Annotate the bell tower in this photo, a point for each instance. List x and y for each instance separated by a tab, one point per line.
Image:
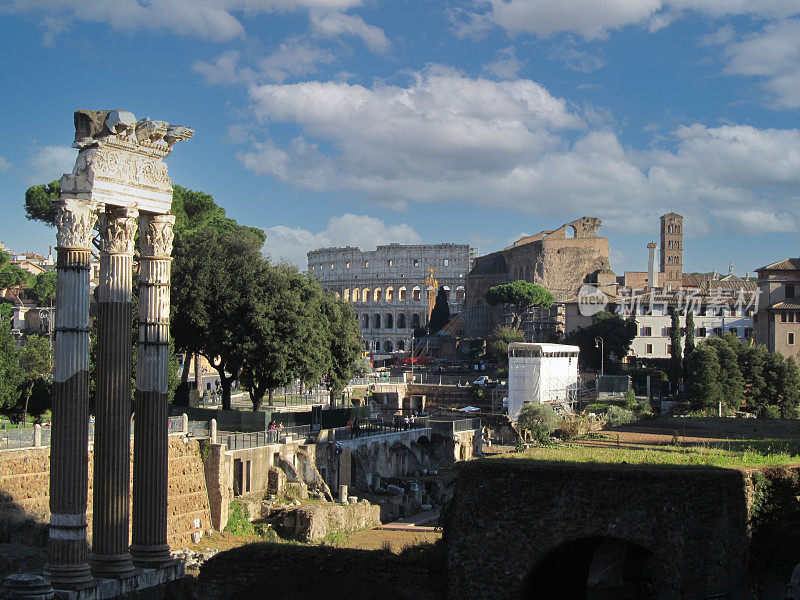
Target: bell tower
672	250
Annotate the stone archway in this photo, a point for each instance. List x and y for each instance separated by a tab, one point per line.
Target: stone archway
592	568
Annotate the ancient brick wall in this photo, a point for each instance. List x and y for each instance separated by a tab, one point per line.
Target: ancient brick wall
509	516
25	493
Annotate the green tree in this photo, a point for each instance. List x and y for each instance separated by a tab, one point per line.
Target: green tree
538	419
39	202
10	372
753	362
44	289
499	340
676	360
216	299
440	315
36	364
520	296
689	345
617	335
789	389
730	374
12	275
703	377
344	344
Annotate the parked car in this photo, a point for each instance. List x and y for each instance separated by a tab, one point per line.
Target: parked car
482	380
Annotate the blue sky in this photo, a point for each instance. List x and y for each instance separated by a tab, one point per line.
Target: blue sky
334	122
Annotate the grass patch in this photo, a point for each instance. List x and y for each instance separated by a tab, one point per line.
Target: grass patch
732	454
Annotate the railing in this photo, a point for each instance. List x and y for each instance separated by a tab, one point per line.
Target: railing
297	432
373	428
450	428
16	438
434	379
199	429
466	424
242	441
175	424
371	380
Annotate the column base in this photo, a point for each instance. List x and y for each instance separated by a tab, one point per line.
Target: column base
69	577
152	557
112	566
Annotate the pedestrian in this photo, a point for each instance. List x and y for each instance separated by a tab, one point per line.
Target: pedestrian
405	422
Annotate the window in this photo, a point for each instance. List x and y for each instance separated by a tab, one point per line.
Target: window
347	266
390	262
366	264
790	290
702	311
791	338
791	317
331	266
647	331
783	317
667	331
748	332
416	262
717	330
669	348
446	262
648	349
733	330
701	332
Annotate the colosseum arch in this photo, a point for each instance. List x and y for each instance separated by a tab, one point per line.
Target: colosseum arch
390	294
416	294
346	294
378	295
389	321
356	294
461	294
365	321
365	295
338	295
527	272
415	322
401	321
387	346
401	345
376	321
402	294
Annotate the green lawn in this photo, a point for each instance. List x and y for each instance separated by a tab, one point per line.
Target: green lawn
734	453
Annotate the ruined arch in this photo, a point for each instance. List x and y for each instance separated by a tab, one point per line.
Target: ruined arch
581	568
461	293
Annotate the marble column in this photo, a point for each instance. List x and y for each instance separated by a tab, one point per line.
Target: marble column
112	453
150	459
68	563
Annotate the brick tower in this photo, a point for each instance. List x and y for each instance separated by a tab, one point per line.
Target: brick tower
672	250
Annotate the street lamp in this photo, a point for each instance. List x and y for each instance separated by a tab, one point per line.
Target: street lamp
598	343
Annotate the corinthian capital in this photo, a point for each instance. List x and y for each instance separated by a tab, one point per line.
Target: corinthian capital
118	229
155	238
75	221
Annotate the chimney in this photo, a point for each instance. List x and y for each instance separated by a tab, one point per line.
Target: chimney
652	275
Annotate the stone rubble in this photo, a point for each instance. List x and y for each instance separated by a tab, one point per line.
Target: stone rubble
192	559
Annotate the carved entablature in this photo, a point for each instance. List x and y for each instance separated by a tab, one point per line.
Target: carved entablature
75	221
118	230
120	160
155	235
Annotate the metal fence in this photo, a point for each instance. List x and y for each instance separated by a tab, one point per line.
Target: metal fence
435	379
371	380
16	438
466	424
450	428
242	441
373	428
199	428
176	424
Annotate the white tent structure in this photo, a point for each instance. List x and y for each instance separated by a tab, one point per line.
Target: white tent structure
540	373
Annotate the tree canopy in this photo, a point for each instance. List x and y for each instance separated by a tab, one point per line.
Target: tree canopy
520	296
617	335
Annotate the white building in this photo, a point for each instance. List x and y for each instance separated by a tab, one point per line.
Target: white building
540	373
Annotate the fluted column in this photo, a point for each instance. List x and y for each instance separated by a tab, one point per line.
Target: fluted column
111	494
150	460
68	563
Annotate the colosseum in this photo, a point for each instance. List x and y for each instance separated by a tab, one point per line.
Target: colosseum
387	286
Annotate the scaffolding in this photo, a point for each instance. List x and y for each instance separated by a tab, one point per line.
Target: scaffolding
541	373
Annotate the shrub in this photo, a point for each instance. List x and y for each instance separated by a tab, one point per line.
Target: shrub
769	411
618	416
597	408
238	519
573	426
630	399
537	416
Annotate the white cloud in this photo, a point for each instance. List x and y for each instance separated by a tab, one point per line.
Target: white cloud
48	163
334	24
4	165
447	137
774	55
294	57
208	19
222	70
507	65
593	20
292	243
